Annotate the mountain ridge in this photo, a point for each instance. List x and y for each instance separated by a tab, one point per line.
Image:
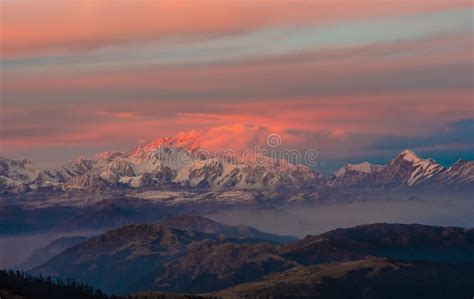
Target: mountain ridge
171	162
162	258
136	250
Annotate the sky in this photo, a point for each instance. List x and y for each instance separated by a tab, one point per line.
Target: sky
355	80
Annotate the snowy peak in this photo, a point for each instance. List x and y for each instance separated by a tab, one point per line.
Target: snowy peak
364	167
108	155
22	170
190	141
354	175
173	162
17	175
411	170
409	156
405	171
77	167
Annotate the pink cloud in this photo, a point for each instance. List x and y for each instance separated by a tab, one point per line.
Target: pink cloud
235	106
284	70
239	126
42	27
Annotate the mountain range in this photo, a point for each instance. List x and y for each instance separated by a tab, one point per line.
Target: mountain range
173	164
207	257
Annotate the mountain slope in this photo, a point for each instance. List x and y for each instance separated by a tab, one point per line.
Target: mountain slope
42	254
129	256
354	175
17	175
210	266
205	225
406	170
400	241
363	279
460	175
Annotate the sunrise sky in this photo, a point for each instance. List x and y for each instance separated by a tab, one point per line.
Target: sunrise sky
357	80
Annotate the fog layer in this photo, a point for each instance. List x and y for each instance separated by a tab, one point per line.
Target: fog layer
321	218
298	222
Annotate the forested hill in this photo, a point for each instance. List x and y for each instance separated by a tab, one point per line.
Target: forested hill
20	285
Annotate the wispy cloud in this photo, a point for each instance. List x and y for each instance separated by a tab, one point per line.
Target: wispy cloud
31	26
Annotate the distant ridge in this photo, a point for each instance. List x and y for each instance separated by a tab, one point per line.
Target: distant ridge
170	163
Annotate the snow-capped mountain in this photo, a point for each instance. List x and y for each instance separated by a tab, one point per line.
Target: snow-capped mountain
16	175
69	173
169	161
459	175
173	163
406	171
165	162
354	174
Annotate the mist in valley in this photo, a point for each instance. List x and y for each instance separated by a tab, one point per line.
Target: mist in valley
296	221
301	221
16	249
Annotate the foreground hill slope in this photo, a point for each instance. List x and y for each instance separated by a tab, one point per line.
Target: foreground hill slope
400	241
159	257
123	258
132	257
371	278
